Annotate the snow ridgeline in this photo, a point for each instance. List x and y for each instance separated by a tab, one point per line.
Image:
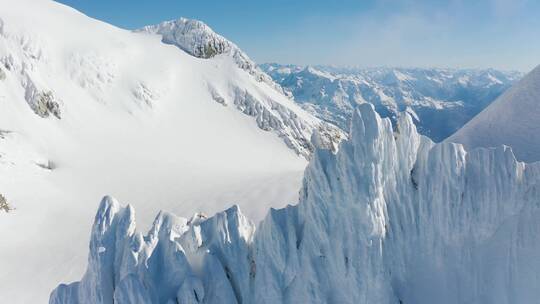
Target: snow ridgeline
391	218
272	112
199	40
49	75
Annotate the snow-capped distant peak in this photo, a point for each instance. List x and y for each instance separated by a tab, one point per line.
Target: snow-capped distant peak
443	99
317	72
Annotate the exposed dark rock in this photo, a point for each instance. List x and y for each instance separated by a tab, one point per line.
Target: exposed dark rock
4	206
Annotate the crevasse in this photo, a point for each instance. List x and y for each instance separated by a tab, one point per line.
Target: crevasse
390	218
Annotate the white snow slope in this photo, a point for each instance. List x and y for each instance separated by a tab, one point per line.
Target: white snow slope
391	218
513	120
87	108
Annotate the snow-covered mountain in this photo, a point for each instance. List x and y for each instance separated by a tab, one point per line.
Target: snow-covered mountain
199	40
87	108
391	218
513	120
440	100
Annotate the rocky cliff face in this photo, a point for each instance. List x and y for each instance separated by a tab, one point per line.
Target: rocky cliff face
391	218
20	56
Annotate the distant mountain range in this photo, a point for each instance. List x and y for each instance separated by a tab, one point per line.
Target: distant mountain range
440	100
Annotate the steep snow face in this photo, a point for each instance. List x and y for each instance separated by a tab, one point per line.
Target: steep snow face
87	108
391	218
513	120
272	112
440	100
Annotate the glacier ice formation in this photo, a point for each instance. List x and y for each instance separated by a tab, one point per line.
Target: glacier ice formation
390	218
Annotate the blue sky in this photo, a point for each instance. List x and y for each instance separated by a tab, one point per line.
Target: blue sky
502	34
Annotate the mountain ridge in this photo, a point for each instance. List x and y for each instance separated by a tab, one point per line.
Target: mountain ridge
198	39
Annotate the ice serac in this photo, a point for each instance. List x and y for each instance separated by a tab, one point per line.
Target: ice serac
391	218
513	119
189	260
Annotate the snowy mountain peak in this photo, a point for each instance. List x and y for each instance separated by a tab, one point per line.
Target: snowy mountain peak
310	70
199	40
196	38
51	76
513	120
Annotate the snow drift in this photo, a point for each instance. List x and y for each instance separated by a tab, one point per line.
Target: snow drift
513	119
391	218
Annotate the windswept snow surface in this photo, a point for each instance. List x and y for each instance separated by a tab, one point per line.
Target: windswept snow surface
513	120
87	108
440	100
391	218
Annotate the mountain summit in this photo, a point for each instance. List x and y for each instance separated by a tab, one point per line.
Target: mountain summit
272	112
198	39
513	119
